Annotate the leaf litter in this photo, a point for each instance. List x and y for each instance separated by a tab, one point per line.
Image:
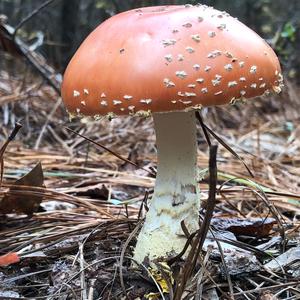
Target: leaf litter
70	243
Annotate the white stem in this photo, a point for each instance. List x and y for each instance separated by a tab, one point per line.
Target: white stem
176	194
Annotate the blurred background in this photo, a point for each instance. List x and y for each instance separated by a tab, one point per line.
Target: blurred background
64	23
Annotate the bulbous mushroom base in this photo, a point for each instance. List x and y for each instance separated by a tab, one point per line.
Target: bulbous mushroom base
162	235
176	195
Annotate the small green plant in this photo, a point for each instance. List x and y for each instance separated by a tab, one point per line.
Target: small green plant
289	32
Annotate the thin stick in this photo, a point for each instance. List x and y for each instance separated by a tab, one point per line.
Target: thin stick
82	274
200	236
271	287
206	135
55	107
110	151
131	236
211	202
207	130
31	15
13	134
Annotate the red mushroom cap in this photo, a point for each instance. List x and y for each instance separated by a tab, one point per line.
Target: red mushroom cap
168	58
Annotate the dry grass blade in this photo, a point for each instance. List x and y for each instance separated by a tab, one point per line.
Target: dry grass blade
110	151
222	142
82	274
244	246
25	275
206	135
228	277
199	290
45	193
131	236
260	289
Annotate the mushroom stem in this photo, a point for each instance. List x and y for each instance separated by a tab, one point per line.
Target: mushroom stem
176	194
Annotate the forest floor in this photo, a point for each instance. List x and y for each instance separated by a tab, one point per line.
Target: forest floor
67	227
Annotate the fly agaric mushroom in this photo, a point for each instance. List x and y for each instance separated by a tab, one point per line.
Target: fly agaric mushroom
168	61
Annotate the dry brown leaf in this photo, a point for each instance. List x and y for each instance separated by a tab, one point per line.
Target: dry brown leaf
27	203
259	227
